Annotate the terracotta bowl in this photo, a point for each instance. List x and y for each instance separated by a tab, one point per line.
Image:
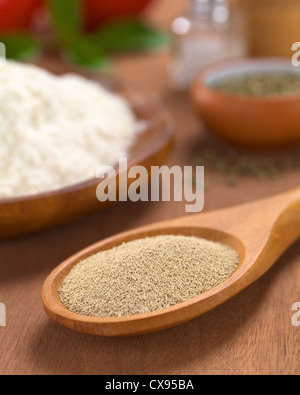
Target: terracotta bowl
246	121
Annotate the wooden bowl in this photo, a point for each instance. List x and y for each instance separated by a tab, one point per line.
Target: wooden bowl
246	121
26	215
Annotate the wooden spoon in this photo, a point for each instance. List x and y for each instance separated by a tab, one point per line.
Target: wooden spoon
260	232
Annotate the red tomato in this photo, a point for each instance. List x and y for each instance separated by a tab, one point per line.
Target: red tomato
99	11
17	15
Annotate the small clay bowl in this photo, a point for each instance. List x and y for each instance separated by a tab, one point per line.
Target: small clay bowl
250	122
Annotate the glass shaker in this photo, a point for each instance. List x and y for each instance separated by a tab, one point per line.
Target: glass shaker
204	35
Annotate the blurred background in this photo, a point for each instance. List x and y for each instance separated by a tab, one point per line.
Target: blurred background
88	31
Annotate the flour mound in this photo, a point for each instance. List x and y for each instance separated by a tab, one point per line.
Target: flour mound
56	131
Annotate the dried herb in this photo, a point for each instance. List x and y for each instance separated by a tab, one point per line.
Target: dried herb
261	84
235	164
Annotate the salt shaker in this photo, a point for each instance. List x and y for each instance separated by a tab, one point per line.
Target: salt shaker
202	36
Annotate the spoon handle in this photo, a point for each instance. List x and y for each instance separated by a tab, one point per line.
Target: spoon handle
278	228
289	221
270	225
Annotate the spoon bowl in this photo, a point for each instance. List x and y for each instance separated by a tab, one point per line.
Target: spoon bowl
260	232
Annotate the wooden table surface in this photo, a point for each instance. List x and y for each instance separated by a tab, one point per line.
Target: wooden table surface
251	334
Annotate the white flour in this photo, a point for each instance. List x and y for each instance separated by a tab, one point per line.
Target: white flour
56	131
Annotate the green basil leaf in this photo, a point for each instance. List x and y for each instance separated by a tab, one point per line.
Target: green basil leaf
128	35
66	15
19	46
85	53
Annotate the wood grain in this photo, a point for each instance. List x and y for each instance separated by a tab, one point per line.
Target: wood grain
250	334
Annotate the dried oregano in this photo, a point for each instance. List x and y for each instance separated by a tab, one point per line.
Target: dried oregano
262	84
235	164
